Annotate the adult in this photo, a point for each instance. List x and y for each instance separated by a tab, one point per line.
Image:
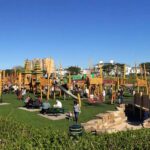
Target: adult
134	92
121	96
111	94
45	107
39	99
5	88
86	92
27	100
24	92
58	104
104	95
37	103
29	104
76	109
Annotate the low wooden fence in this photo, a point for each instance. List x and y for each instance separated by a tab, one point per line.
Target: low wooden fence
142	101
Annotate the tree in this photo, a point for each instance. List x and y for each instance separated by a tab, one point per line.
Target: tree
117	69
74	70
14	69
8	71
18	68
108	68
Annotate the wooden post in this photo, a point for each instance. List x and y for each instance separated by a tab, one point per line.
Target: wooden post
54	94
60	94
136	72
41	92
101	76
69	81
118	83
141	70
60	73
0	86
48	88
4	75
138	88
79	100
55	76
20	78
124	74
140	106
145	77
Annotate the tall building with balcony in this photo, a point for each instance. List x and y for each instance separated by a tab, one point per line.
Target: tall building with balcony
46	64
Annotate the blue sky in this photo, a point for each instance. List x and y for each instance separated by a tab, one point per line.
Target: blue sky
74	32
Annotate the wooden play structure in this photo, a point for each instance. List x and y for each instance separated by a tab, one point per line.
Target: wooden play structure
27	75
142	96
96	88
142	83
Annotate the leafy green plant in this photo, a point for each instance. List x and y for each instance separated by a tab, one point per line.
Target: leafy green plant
14	135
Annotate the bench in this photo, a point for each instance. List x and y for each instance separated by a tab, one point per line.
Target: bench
55	111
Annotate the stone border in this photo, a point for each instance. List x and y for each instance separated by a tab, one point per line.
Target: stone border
29	110
3	104
53	117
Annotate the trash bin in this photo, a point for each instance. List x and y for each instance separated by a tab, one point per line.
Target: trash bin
75	130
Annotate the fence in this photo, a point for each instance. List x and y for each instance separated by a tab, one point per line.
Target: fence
142	101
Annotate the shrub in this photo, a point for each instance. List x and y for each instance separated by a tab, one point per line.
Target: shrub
17	136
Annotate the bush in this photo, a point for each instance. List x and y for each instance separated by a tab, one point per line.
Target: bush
19	137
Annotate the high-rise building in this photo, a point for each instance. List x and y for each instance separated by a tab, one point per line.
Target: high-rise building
46	64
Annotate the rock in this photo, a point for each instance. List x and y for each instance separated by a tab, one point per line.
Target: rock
111	121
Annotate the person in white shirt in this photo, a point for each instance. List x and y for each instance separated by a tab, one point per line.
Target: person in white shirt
58	104
87	92
23	92
104	95
77	110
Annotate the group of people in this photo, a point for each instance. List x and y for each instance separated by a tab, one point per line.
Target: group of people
30	103
46	106
113	95
7	88
21	93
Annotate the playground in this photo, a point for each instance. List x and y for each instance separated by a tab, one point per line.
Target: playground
31	97
33	119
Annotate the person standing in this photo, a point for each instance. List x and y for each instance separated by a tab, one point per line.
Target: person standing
121	95
111	94
104	95
76	109
87	92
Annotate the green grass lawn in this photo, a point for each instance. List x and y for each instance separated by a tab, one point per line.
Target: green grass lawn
31	118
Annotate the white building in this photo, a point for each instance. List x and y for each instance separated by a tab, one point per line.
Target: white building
135	70
86	71
128	70
61	72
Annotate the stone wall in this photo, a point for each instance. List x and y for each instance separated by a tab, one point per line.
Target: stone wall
111	121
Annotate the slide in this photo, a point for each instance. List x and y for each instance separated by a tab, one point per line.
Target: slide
67	92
